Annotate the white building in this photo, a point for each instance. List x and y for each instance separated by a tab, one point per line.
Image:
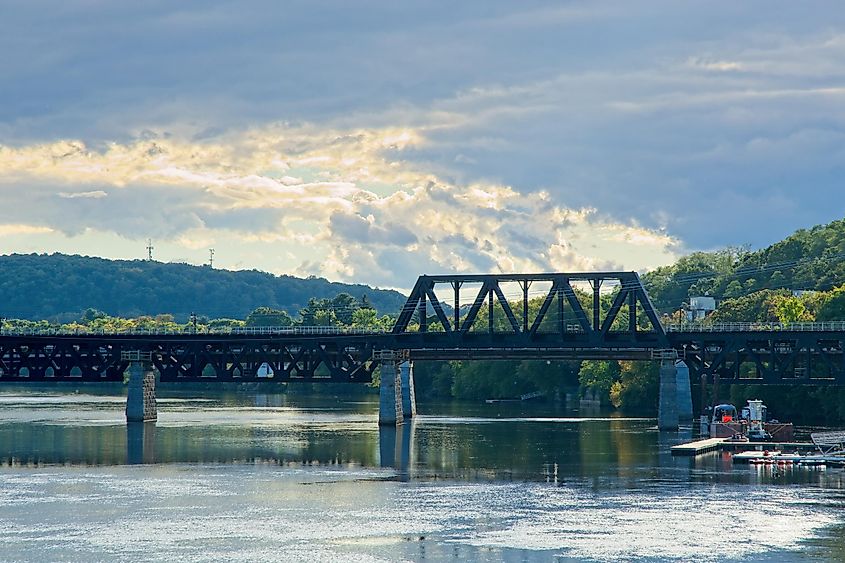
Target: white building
700	307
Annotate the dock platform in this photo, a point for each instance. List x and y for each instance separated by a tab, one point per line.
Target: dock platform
724	444
698	447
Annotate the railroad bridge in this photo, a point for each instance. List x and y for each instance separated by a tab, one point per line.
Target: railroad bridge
493	316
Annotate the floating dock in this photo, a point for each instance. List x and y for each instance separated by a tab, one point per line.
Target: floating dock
698	447
777	458
724	444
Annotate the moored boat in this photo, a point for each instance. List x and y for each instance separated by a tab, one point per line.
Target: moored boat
752	423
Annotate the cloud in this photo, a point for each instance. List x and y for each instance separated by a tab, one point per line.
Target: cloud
476	135
239	185
713	65
94	194
11	229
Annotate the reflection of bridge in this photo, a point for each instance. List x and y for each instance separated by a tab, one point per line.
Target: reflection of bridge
605	315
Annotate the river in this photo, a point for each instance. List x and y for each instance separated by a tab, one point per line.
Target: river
226	476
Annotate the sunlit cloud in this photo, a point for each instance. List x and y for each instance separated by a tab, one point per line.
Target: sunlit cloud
241	183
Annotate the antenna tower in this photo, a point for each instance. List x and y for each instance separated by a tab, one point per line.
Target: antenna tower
210	257
150	248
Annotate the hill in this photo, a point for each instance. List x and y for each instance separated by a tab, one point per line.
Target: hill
809	259
61	287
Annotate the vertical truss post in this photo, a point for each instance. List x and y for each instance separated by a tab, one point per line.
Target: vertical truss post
525	285
490	312
456	286
632	312
423	312
596	283
560	321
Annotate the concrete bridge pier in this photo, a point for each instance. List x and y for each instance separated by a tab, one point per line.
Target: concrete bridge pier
684	391
667	410
390	387
141	390
409	400
397	400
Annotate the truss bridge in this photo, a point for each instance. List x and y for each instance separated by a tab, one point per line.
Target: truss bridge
598	315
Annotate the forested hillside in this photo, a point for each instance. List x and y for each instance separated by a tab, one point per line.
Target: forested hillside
62	287
811	259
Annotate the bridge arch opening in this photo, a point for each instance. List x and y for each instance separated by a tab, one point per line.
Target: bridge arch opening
264	371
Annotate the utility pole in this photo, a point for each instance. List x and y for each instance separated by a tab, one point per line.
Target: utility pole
150	249
210	257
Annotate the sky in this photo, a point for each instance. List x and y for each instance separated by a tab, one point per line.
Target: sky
373	141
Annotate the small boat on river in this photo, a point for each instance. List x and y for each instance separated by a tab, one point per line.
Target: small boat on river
752	423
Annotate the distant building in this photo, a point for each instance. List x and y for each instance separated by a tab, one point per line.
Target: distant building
700	307
803	292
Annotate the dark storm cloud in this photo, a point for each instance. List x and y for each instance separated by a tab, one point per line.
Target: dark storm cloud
723	122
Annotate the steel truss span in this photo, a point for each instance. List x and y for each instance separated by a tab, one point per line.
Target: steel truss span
775	357
188	358
508	316
569	316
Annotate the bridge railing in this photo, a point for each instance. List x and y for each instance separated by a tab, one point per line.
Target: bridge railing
181	331
829	326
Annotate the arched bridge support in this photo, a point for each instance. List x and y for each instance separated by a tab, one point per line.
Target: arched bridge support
396	387
141	390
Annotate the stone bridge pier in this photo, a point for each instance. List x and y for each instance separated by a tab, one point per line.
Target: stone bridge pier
397	400
141	390
675	401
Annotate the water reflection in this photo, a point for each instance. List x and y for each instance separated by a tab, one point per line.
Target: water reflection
395	445
140	442
544	442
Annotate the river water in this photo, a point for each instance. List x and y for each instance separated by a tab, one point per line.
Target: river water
273	477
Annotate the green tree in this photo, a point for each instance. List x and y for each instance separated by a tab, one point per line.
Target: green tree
831	305
367	318
599	376
789	309
636	390
266	316
734	289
